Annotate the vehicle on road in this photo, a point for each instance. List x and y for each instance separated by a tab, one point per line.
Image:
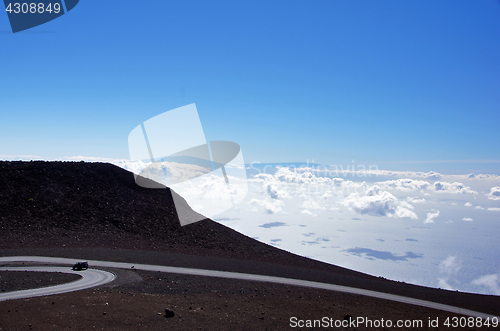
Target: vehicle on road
80	266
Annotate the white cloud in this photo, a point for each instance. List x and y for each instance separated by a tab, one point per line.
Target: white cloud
275	191
443	283
378	203
494	193
286	183
492	282
270	206
133	166
361	171
467	219
448	268
478	207
415	200
311	204
455	188
285	174
307	212
21	157
431	216
405	211
494	209
170	173
411	181
337	181
468	204
327	195
487	176
479	176
404	184
430	175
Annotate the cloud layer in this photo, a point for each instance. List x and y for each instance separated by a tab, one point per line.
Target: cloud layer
494	193
431	216
379	203
491	282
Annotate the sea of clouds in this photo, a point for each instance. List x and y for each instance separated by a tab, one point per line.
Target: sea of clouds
423	228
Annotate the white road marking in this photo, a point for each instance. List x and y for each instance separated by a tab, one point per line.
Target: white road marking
253	277
90	278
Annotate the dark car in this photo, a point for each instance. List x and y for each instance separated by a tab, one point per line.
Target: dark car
81	266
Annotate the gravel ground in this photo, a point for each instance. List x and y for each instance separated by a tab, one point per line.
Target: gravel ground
202	303
22	280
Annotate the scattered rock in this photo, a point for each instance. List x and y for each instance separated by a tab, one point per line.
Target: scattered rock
169	313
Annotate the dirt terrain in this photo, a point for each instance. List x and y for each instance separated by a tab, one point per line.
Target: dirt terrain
96	211
199	303
10	281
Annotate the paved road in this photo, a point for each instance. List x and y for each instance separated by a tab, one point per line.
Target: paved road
90	278
261	278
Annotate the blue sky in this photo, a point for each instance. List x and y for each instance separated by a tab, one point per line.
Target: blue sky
394	83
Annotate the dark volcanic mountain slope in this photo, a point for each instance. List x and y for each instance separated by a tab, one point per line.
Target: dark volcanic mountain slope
87	197
98	205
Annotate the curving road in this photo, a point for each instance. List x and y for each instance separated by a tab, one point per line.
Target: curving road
243	276
90	278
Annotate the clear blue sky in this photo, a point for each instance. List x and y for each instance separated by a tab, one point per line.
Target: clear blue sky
378	82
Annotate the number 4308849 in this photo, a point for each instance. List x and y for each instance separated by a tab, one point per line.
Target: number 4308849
477	322
32	8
